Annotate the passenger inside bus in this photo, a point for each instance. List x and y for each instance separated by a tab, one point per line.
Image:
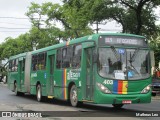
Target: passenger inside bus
114	66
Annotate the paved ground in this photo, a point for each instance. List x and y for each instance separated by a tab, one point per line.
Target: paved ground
28	103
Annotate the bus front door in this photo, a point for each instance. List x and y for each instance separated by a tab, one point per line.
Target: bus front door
50	81
89	74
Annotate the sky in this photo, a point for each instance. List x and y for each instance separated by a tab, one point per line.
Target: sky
11	27
11	9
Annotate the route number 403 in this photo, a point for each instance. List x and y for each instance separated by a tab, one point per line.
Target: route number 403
110	82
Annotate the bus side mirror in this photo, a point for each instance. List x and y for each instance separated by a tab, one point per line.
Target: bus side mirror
95	57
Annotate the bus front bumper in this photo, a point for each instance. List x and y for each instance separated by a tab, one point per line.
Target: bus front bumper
102	98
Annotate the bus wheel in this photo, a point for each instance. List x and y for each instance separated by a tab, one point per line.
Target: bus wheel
117	106
73	96
16	90
153	94
39	93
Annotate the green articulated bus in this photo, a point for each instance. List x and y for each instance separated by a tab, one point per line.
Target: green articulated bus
111	68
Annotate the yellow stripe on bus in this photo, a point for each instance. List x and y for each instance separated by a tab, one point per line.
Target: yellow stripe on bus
125	87
65	83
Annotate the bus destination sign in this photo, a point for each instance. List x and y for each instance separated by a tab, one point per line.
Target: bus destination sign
121	40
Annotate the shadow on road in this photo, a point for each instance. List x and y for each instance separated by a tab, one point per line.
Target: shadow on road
85	110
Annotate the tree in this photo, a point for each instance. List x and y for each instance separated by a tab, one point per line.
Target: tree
154	43
140	10
10	47
35	15
73	20
135	16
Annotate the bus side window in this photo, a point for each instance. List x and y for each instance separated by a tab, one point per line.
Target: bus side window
41	61
10	66
44	61
76	59
69	55
16	65
23	64
58	59
66	57
34	63
13	64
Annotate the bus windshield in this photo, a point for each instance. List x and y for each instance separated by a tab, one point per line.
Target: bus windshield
123	64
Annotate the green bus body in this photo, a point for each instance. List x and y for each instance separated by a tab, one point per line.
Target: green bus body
57	80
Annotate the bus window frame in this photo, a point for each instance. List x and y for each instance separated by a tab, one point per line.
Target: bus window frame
59	57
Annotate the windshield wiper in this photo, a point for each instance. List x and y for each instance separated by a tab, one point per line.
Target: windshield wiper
134	68
115	52
132	59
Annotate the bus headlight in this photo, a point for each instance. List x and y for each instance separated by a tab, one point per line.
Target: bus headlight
146	89
103	88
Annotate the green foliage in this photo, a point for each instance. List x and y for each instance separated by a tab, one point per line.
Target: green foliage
35	14
136	17
11	47
73	18
155	46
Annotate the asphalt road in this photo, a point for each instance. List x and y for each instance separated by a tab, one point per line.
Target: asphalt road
57	108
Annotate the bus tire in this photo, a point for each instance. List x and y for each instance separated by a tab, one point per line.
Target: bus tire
39	93
73	96
16	89
154	94
117	106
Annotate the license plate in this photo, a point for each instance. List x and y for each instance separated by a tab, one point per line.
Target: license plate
126	101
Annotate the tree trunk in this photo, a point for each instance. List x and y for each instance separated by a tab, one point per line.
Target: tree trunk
139	20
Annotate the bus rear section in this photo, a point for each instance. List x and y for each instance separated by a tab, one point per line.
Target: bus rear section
16	74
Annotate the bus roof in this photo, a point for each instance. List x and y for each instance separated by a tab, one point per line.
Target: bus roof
121	34
18	56
82	39
73	41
